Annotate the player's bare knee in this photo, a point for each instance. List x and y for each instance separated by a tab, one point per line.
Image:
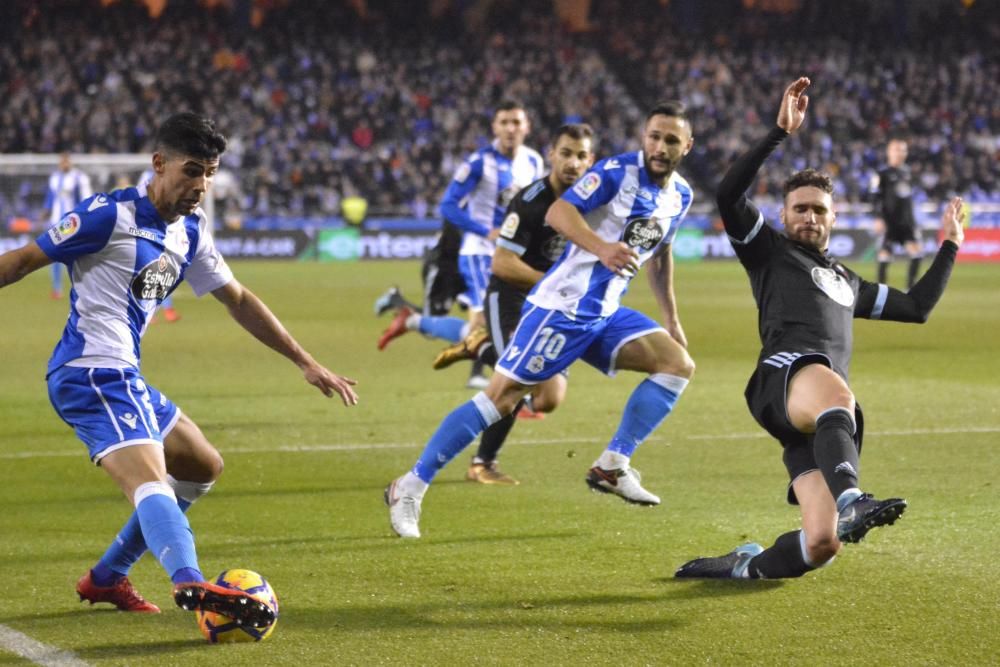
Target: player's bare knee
681	365
822	547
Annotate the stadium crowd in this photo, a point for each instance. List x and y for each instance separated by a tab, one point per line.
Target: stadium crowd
321	105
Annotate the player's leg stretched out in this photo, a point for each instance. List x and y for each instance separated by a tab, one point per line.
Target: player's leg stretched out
823	466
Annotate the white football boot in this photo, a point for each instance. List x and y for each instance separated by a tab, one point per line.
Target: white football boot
404	511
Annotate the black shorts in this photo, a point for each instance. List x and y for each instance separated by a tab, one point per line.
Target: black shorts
766	395
442	280
896	234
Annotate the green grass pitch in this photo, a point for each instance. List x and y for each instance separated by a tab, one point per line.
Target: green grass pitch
546	572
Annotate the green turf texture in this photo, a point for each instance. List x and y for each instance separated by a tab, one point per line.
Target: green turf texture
546	572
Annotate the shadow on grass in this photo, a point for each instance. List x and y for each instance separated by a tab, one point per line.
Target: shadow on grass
545	613
143	650
697	589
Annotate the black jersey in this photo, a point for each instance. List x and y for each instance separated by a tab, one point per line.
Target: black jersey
525	233
807	299
894	200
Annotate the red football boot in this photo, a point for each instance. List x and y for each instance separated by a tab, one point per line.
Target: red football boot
231	602
121	595
396	328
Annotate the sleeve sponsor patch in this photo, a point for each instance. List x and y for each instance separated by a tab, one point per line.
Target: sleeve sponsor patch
587	185
509	227
462	172
65	228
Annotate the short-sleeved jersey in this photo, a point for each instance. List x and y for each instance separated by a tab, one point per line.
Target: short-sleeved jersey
66	190
525	233
483	187
124	259
894	198
806	299
620	203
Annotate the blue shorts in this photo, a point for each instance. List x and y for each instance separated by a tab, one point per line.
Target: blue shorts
546	342
475	270
110	408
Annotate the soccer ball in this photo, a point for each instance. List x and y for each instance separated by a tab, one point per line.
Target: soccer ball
219	629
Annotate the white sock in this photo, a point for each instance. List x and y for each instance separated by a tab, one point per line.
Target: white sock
411	485
609	460
413	322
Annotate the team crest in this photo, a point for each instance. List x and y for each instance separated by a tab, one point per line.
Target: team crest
833	285
642	233
587	185
554	247
509	227
155	279
65	228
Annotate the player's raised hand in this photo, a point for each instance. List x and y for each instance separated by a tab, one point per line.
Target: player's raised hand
330	383
793	105
619	258
952	221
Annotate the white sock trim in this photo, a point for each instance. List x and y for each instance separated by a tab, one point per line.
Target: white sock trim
464	331
413	322
411	485
609	460
805	553
148	489
189	491
486	408
850	415
673	383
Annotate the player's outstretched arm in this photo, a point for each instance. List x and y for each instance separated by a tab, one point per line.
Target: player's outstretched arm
886	303
16	264
253	315
793	105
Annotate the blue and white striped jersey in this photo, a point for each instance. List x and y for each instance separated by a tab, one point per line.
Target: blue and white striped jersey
620	203
123	259
66	190
481	189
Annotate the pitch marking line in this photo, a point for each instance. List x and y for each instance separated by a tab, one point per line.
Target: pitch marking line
367	446
41	654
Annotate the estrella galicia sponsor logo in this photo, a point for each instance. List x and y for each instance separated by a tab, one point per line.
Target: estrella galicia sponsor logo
155	279
833	285
142	233
642	233
554	247
65	228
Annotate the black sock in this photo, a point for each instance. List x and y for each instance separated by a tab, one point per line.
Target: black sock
494	436
835	451
883	272
782	560
488	355
477	367
911	276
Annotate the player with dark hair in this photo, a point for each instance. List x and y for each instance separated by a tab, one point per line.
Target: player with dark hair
526	249
799	391
475	202
624	212
126	251
894	212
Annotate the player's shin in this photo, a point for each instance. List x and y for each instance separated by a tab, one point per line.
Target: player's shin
167	531
787	558
647	407
454	434
835	451
129	545
451	329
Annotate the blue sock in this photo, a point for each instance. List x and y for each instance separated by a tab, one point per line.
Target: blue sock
448	328
646	409
128	547
454	434
57	270
168	534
